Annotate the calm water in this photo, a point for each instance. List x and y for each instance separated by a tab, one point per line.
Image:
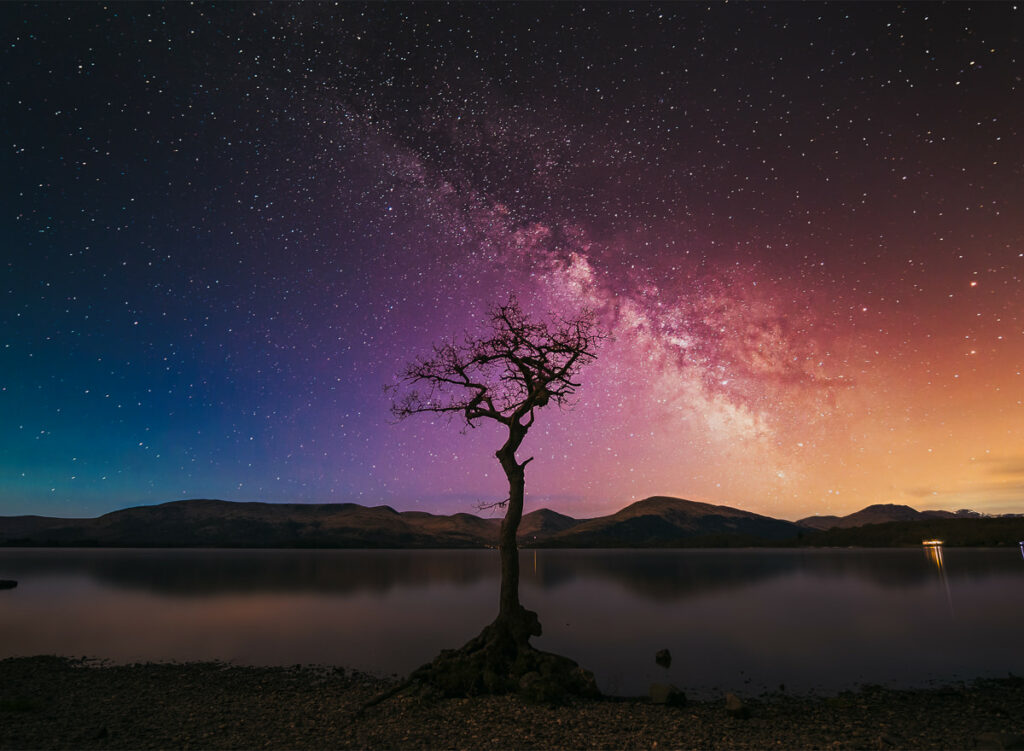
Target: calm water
741	620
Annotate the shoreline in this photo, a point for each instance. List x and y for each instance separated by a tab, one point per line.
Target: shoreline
53	703
523	546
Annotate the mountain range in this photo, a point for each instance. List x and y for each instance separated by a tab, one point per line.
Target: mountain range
658	521
882	513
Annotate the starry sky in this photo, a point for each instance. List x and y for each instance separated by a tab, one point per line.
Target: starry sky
225	227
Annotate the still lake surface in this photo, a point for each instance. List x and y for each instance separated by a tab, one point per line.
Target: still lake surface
741	620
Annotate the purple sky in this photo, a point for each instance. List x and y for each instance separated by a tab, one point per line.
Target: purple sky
228	226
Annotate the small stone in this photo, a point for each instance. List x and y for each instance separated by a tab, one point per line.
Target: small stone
666	693
663	658
735	707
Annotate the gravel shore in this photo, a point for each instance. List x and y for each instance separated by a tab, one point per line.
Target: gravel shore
56	703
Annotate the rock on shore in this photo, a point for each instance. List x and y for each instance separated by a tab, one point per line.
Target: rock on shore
55	703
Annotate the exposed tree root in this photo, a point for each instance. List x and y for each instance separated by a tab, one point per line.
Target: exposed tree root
500	660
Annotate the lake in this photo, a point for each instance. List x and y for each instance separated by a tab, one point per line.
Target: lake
740	620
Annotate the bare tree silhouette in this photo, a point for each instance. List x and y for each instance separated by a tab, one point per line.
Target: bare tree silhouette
519	367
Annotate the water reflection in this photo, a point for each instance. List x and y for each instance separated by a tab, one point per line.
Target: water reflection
660	575
216	572
669	575
933	552
737	619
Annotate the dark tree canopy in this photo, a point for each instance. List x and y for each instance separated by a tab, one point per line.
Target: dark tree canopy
505	376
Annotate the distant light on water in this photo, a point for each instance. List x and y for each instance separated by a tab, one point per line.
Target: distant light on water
933	552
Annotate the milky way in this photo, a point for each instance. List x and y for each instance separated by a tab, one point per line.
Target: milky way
227	227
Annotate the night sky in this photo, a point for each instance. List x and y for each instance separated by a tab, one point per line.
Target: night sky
226	227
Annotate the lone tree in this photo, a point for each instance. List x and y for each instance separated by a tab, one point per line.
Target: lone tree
520	366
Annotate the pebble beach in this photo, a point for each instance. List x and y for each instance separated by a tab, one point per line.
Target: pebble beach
58	703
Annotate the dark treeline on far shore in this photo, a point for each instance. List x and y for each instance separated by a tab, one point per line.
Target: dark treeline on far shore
985	532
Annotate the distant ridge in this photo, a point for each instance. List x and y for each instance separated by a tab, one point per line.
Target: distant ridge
543	523
881	513
214	523
659	521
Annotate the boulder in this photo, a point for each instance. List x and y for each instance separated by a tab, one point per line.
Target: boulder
666	693
663	658
735	707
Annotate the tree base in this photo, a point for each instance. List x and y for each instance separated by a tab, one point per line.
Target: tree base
501	661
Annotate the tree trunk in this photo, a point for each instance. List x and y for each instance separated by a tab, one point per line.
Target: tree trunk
509	548
509	609
514	622
501	660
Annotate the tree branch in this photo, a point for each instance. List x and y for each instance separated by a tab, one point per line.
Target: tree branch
504	376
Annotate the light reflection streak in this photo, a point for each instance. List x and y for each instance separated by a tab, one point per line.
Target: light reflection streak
933	552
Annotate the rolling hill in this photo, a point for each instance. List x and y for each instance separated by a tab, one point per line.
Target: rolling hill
882	513
659	521
212	523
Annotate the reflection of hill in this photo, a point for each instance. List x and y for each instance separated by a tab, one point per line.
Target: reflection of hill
672	575
907	568
210	572
662	575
